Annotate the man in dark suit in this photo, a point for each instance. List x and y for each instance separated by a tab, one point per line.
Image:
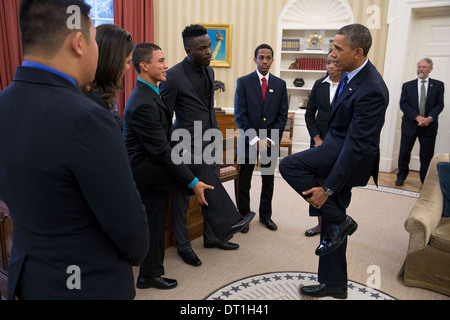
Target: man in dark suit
317	114
348	156
189	91
422	101
79	224
260	108
157	169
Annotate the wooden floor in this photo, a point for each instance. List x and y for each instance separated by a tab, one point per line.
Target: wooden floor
412	182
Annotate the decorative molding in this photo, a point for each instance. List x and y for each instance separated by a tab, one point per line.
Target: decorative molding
316	14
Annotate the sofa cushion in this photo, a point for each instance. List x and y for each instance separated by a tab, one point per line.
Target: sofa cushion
440	237
443	169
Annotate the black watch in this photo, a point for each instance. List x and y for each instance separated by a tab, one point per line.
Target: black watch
328	192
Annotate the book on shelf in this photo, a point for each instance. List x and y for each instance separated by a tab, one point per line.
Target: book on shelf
311	64
290	45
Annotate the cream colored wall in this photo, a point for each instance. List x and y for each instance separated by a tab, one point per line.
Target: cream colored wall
254	22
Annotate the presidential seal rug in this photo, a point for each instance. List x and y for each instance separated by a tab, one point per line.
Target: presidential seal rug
285	286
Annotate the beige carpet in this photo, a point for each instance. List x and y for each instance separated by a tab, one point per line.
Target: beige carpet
380	241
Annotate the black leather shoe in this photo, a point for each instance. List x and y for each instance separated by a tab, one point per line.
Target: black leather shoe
190	257
226	245
399	181
241	224
269	224
155	282
323	290
335	235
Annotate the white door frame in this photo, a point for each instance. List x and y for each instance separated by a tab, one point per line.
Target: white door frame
400	18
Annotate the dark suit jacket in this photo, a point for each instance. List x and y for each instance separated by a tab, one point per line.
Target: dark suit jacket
409	104
318	110
147	131
65	176
183	94
251	112
350	152
96	95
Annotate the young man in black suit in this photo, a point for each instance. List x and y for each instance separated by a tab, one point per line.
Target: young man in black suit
259	114
348	156
157	170
79	224
189	91
422	101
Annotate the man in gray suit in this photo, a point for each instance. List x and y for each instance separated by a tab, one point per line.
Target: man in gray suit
189	91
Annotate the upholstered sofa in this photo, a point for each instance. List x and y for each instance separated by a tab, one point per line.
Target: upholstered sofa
427	263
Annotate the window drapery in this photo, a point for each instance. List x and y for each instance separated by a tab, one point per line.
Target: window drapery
137	17
11	54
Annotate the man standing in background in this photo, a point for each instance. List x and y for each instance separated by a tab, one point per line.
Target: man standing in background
422	101
260	108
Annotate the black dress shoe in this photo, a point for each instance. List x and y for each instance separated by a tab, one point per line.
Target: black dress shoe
269	224
155	282
399	181
226	245
241	224
323	290
190	257
335	235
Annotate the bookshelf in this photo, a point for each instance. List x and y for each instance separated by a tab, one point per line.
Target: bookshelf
306	30
305	63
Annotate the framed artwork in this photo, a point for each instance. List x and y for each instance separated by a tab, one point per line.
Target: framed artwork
220	35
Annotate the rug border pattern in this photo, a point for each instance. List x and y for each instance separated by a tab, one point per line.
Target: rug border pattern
230	290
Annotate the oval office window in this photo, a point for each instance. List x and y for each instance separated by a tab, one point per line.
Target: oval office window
102	11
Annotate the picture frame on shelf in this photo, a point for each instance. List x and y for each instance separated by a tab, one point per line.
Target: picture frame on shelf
221	38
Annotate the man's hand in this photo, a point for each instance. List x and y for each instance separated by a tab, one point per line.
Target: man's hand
423	122
262	145
318	197
317	141
199	191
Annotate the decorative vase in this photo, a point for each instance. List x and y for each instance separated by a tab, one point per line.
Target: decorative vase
299	82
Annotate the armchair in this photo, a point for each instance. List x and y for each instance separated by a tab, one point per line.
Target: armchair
427	263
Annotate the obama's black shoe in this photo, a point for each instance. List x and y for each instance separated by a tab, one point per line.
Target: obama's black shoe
335	235
323	290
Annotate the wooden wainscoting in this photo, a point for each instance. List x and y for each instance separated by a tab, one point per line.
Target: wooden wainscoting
6	239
